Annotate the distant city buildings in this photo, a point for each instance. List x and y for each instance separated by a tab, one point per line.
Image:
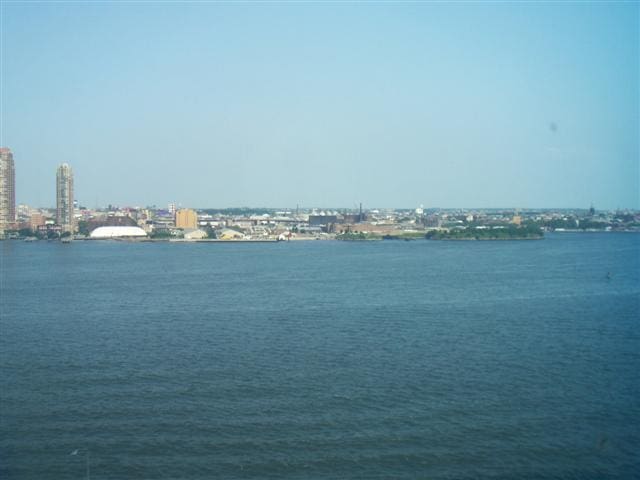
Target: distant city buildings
308	224
64	198
36	220
186	218
7	190
264	224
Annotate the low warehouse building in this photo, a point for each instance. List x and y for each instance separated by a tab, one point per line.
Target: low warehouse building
118	232
195	234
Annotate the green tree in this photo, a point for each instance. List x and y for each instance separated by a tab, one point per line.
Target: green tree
160	234
211	233
83	227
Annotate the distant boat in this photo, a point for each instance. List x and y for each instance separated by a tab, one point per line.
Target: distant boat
66	240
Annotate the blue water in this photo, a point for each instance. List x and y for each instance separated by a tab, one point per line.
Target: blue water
302	360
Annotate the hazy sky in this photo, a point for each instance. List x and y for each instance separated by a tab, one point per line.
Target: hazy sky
325	104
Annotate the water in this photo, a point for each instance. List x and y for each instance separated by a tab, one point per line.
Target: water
513	359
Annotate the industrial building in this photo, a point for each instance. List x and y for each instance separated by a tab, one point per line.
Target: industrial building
117	232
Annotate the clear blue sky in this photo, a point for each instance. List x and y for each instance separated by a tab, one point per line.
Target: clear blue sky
325	104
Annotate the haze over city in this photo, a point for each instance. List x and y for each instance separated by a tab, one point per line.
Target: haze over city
215	104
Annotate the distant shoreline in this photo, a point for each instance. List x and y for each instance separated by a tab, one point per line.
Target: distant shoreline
488	239
443	237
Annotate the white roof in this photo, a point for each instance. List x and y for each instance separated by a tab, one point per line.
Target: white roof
112	232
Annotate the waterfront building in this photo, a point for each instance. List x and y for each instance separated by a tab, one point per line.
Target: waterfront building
186	218
7	190
36	220
230	234
196	234
64	198
118	232
324	220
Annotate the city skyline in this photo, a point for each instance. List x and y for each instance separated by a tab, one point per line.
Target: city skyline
478	106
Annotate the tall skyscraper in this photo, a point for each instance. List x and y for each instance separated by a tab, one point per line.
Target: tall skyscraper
64	198
7	190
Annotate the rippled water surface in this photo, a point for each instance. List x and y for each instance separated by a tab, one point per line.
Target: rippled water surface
301	360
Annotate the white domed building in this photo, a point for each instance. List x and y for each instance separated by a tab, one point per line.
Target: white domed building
118	232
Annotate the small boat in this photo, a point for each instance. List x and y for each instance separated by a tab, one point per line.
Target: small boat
66	240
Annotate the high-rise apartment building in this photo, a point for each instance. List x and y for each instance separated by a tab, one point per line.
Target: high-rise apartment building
186	218
64	198
7	190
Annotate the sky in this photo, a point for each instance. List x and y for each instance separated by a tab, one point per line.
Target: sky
523	105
